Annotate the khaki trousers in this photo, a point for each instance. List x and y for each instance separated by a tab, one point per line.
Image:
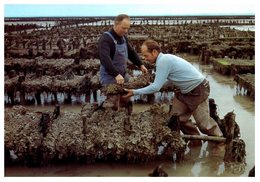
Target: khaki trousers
201	115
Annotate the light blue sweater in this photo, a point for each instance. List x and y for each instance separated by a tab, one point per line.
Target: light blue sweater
170	67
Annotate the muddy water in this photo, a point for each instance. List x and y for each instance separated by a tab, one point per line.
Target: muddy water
198	161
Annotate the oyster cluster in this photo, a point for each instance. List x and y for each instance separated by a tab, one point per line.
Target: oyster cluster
97	133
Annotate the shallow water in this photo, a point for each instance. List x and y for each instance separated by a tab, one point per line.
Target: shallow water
198	161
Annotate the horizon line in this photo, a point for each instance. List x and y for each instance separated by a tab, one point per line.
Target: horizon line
55	16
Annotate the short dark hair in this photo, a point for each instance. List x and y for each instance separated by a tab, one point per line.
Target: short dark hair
151	45
120	18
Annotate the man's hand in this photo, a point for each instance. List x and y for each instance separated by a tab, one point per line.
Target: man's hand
144	69
129	94
120	79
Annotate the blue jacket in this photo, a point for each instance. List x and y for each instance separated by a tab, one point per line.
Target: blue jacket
170	67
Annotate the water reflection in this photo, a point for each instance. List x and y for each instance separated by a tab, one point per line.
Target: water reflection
245	102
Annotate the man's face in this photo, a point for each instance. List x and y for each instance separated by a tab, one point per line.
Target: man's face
148	56
122	27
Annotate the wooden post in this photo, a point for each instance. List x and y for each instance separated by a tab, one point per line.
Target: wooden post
84	130
206	57
202	55
230	128
55	97
56	112
68	99
44	124
38	97
21	89
150	98
95	95
87	96
22	97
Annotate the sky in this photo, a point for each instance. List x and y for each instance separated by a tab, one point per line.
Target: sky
28	8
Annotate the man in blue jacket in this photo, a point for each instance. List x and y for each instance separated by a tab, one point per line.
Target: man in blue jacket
191	97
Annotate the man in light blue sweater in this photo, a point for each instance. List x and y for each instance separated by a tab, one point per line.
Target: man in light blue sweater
191	97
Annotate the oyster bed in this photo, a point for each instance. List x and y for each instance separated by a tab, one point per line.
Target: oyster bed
97	133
